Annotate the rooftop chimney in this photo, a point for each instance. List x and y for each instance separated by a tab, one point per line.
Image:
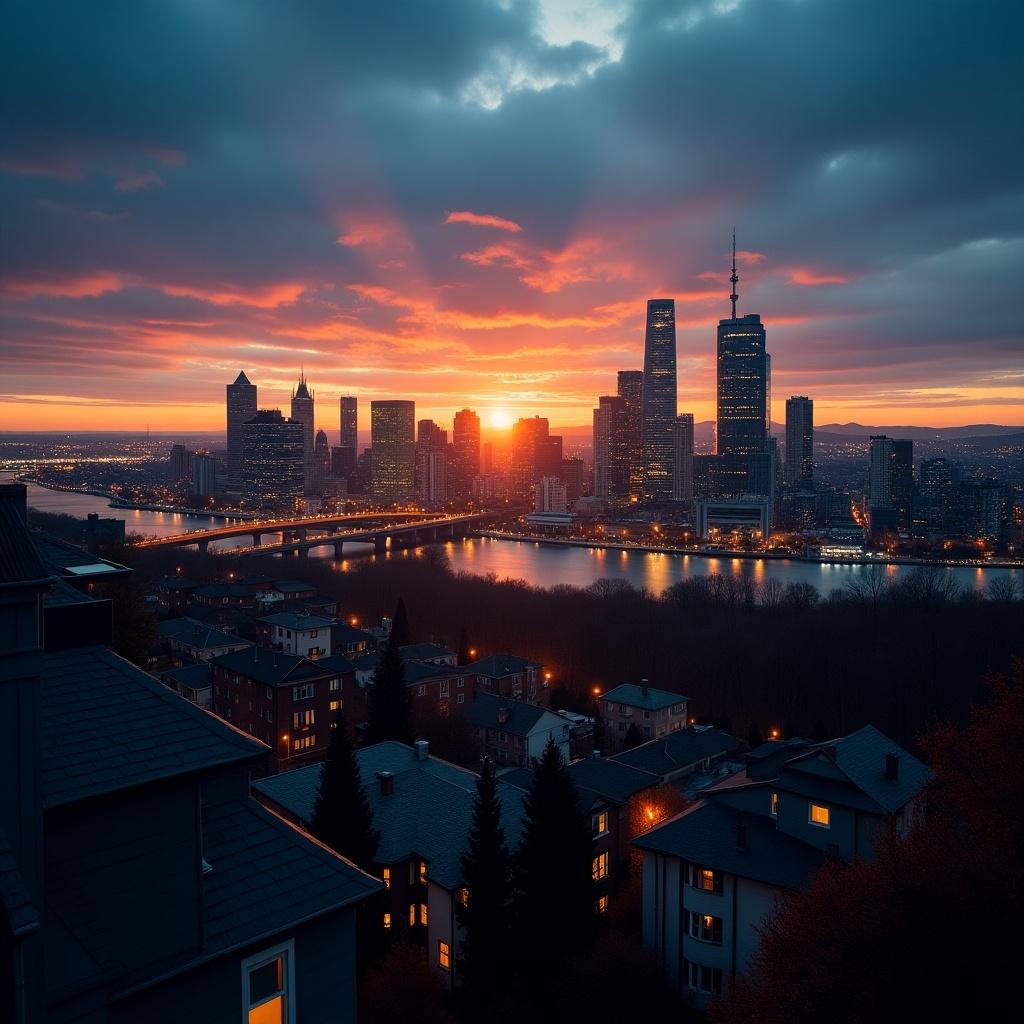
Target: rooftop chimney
741	833
892	767
387	783
422	750
644	687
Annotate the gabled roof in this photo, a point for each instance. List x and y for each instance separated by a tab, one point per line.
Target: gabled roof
292	586
106	725
241	378
197	634
194	676
342	632
678	750
223	590
269	668
497	666
335	663
522	718
421	652
296	620
611	779
706	834
633	695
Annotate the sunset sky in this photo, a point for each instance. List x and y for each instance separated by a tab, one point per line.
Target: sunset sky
467	202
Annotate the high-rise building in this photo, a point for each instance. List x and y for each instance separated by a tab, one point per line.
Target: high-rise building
631	391
321	460
393	449
550	495
349	423
203	474
241	407
682	457
880	470
903	480
572	477
799	470
431	463
272	461
530	445
939	481
659	398
180	469
487	458
466	451
611	451
302	412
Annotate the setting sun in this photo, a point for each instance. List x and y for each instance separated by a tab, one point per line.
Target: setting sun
501	419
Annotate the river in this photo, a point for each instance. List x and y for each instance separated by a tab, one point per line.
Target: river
539	564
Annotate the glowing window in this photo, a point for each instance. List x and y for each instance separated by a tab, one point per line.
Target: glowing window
819	815
335	705
600	822
266	987
387	922
387	878
775	805
707	879
599	867
602	905
412	914
444	955
423	871
423	914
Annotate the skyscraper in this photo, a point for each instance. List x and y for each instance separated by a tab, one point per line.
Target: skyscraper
880	470
431	463
241	407
203	474
466	454
659	398
611	451
272	451
180	469
349	423
903	480
393	449
302	412
321	460
529	436
799	441
631	390
682	457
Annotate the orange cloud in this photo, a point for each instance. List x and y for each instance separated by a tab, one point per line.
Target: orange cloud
803	276
91	284
500	254
269	297
483	220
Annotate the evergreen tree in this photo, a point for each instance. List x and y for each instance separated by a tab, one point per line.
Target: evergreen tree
400	628
555	891
342	818
486	914
463	657
632	738
389	711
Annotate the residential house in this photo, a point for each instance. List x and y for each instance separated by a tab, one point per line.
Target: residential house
353	643
711	874
189	640
422	807
655	713
308	636
682	752
193	682
512	732
428	654
224	595
508	675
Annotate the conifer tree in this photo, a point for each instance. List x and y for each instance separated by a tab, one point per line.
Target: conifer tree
632	738
342	818
389	710
485	916
400	628
463	657
555	891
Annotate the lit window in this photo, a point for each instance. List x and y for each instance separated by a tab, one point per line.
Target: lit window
600	823
267	984
387	922
602	905
444	955
423	871
775	805
300	719
463	896
412	914
423	914
335	684
705	927
304	742
387	878
599	867
706	879
335	705
819	815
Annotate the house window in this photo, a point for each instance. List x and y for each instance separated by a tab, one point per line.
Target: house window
678	709
600	823
706	879
312	634
602	905
423	914
268	985
412	914
599	867
704	927
387	878
775	805
302	719
704	979
302	692
417	911
387	921
306	742
444	955
444	688
462	698
423	872
820	815
443	709
421	690
270	694
463	896
335	685
335	705
461	683
647	715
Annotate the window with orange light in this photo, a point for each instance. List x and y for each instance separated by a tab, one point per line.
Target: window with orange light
386	876
387	922
599	867
267	985
444	955
820	815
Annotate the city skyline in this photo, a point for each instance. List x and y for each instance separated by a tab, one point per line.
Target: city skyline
465	229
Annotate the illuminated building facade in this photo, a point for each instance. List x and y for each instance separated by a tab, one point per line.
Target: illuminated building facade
466	451
659	398
393	449
799	470
631	391
241	407
302	412
272	461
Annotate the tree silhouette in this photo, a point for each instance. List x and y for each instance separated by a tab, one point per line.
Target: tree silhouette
485	915
342	818
632	738
389	711
400	628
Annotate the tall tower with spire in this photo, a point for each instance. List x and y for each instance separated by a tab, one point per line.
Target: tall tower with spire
744	413
302	412
241	407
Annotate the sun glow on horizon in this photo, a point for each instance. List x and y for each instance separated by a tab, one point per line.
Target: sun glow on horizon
499	419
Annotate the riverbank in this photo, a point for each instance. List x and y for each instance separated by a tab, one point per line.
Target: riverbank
783	556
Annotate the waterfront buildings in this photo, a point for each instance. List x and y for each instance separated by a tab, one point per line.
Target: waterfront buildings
716	517
203	475
550	495
890	483
535	453
393	449
903	481
512	732
302	412
241	407
273	460
799	471
653	712
682	457
659	398
431	463
611	451
465	452
180	456
349	436
631	391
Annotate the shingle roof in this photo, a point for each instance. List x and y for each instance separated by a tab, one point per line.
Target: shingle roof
428	814
19	561
420	652
106	725
16	904
224	590
62	593
497	666
335	663
522	717
342	632
270	668
199	635
633	695
611	779
266	875
678	750
706	834
292	586
196	676
296	620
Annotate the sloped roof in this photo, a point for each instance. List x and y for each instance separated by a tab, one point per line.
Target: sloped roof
19	560
633	695
270	668
16	904
196	676
106	725
678	750
241	378
296	620
199	635
611	779
706	834
420	652
522	718
497	666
